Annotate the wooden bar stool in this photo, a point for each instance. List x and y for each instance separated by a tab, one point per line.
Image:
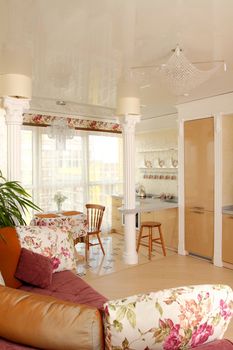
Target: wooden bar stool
150	225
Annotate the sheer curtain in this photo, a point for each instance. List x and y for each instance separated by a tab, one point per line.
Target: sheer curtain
60	171
89	170
105	171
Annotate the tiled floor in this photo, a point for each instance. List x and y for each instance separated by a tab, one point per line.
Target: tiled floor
98	264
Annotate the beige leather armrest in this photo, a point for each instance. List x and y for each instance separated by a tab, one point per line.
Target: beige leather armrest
48	323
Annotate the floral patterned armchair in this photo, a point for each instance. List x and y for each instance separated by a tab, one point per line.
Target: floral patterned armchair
172	319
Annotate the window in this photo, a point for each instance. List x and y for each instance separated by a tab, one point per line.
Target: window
89	170
105	170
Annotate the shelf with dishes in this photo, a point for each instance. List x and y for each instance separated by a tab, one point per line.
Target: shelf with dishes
159	173
154	150
159	158
149	169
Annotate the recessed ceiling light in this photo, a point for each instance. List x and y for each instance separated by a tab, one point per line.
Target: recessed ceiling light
186	94
61	103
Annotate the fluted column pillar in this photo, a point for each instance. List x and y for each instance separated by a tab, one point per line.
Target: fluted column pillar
128	125
15	108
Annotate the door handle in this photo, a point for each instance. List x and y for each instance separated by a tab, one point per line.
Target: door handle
198	208
197	211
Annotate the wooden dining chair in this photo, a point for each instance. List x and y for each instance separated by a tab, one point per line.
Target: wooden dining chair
95	214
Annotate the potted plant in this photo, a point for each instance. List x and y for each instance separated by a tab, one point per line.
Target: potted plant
14	203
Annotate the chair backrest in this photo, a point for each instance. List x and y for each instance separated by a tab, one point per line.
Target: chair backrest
95	214
176	318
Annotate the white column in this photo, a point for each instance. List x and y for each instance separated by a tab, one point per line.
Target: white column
15	108
218	190
130	255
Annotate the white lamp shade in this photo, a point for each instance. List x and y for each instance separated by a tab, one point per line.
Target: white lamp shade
128	105
15	85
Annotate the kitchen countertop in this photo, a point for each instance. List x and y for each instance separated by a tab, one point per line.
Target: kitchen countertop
227	209
149	204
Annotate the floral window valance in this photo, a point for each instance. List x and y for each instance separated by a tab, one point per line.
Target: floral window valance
80	124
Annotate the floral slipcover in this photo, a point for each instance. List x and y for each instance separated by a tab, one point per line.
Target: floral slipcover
76	225
172	319
51	242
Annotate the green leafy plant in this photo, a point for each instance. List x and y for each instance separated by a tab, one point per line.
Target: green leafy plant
14	203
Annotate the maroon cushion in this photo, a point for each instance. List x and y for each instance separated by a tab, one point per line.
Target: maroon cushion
215	345
8	345
69	287
34	269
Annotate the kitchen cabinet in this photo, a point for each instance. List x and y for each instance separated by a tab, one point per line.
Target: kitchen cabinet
118	218
199	228
117	226
199	186
227	238
199	163
147	216
167	217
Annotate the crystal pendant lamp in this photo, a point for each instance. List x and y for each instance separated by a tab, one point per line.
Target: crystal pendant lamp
60	131
182	76
179	74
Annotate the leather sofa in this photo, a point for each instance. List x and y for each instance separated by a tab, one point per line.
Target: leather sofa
67	315
55	318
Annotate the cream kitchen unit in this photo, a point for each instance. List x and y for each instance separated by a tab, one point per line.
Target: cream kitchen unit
199	186
205	177
227	195
150	209
227	236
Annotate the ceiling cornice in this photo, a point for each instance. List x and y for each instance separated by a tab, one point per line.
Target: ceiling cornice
49	106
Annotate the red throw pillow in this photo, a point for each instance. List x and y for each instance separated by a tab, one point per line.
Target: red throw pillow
34	268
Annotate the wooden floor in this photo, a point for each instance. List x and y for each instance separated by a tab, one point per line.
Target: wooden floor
112	278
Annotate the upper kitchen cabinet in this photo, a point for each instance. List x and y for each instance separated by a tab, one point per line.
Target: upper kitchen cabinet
199	163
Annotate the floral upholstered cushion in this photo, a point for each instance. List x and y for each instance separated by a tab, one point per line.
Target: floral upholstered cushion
50	242
172	319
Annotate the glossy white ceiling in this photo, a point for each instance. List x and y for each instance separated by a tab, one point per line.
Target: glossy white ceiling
76	50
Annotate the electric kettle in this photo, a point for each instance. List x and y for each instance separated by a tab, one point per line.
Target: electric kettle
141	191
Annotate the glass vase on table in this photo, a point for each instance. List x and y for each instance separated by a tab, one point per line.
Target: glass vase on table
59	198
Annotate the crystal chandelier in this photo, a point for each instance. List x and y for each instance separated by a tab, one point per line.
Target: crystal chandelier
180	75
60	131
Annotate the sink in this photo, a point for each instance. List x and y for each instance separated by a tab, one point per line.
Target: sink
148	196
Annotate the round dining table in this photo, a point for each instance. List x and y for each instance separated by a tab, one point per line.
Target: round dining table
74	222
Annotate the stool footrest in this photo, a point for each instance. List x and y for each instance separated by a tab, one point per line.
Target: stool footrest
159	240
